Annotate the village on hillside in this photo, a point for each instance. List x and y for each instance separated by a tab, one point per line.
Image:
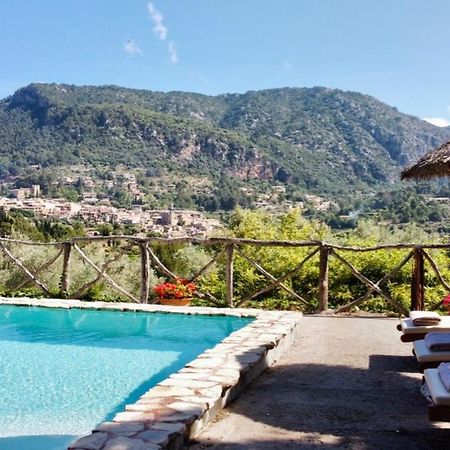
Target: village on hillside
96	204
165	222
170	222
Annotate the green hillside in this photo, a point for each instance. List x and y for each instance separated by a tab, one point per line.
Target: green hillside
320	140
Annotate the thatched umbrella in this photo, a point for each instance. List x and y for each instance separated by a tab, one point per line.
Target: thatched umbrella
435	163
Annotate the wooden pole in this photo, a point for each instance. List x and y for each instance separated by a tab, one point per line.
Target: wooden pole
286	276
436	270
418	282
229	274
38	271
372	289
145	272
276	282
104	275
65	276
159	265
369	283
323	278
19	263
99	276
207	266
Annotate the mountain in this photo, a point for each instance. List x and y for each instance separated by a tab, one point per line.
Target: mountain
317	139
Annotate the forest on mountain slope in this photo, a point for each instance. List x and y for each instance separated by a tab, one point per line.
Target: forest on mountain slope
311	140
321	139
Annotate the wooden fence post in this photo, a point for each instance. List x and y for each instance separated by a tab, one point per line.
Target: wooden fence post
65	276
323	278
418	281
145	272
229	274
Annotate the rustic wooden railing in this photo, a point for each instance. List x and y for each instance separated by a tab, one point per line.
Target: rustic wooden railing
231	248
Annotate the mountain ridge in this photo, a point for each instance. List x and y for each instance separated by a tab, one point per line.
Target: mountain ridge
318	139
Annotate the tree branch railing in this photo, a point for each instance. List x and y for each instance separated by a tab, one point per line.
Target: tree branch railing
373	288
228	249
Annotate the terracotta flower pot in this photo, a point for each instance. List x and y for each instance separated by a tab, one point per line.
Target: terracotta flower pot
175	301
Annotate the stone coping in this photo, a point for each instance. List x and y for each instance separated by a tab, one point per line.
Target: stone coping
178	407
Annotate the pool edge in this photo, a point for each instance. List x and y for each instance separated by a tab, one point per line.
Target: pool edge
180	406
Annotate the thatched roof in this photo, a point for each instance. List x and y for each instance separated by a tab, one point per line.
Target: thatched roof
436	163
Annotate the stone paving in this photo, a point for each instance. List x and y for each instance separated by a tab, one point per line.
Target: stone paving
346	383
179	407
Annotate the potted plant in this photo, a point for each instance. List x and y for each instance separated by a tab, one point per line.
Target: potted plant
178	292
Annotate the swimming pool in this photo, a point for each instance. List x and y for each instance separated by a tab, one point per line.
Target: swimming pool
64	371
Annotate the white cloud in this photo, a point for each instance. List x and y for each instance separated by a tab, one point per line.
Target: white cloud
172	52
161	31
438	121
159	28
131	48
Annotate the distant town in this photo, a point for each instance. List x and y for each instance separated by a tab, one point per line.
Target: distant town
168	223
94	204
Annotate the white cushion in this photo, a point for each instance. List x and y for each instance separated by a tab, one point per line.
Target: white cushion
416	314
439	394
424	355
409	328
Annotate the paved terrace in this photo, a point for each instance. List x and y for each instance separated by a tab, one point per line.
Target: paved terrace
347	383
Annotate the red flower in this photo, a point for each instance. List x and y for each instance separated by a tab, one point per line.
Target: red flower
446	300
179	288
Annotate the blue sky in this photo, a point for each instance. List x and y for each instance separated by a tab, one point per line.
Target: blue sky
395	50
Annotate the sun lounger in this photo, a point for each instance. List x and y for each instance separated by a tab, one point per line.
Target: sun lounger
439	406
411	332
426	358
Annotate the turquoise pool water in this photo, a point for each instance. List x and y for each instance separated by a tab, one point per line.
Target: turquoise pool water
64	371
